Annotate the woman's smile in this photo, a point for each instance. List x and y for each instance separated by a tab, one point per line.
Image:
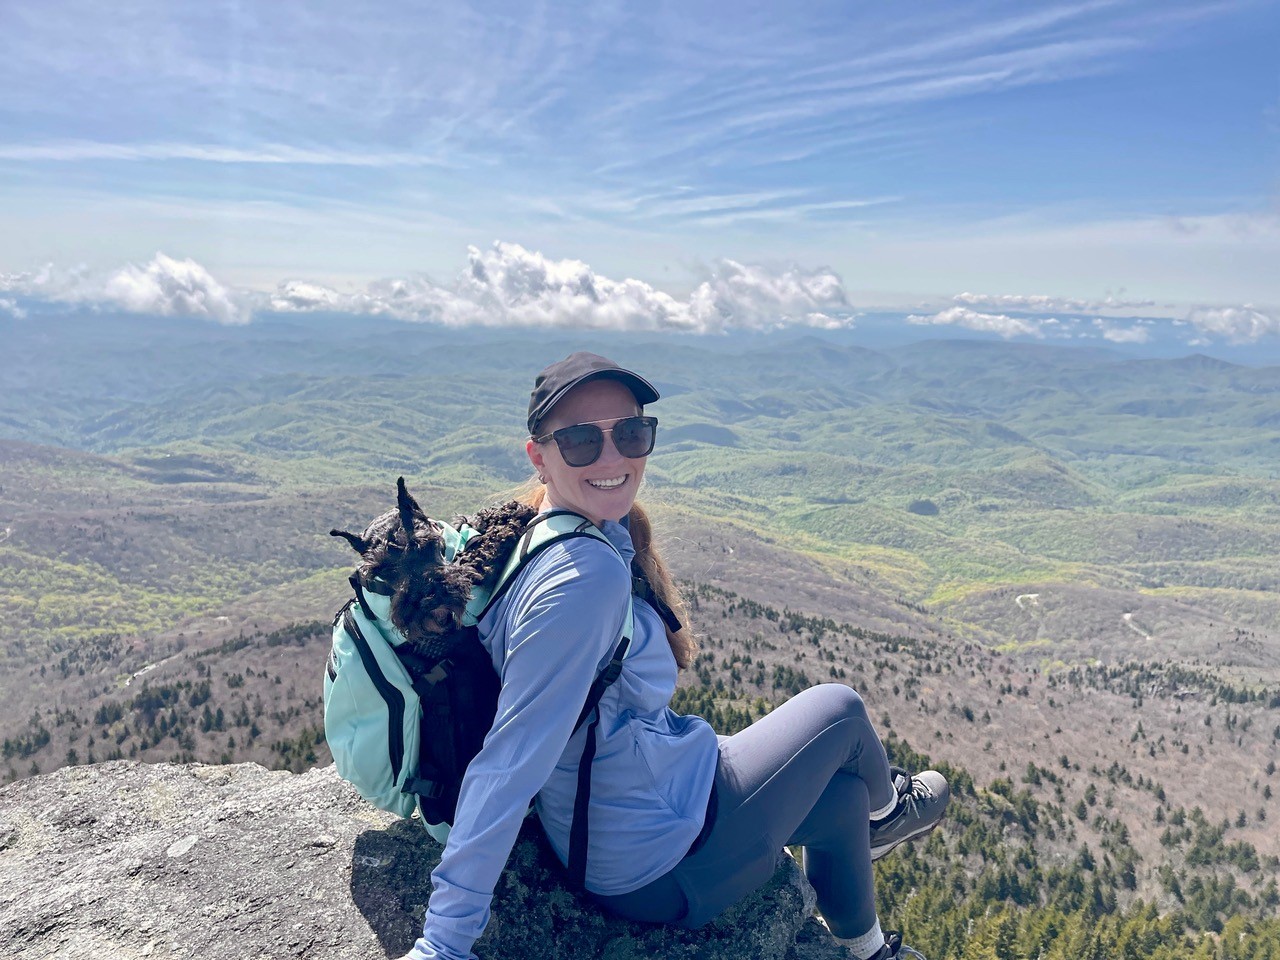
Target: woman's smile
605	488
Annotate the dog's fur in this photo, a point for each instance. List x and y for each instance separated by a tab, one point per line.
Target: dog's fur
429	595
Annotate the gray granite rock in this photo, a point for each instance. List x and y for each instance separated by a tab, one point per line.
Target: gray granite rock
126	860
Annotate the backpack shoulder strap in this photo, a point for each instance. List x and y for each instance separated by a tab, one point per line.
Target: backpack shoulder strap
578	828
543	531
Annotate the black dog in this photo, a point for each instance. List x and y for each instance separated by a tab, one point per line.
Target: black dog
429	595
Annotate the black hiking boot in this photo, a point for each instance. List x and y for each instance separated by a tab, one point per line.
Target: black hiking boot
922	800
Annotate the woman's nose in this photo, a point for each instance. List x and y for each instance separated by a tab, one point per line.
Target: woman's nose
608	452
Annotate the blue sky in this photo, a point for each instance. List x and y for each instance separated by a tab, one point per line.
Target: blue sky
915	152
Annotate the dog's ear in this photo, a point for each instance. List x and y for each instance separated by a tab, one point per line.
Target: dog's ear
358	544
408	509
427	547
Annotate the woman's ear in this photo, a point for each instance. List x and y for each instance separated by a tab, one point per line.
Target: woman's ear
534	452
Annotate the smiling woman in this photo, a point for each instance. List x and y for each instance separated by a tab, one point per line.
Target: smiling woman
596	463
654	816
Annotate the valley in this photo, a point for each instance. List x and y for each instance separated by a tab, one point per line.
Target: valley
1052	572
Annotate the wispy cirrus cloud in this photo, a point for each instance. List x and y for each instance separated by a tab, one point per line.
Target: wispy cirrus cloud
795	85
794	212
690	93
712	210
75	151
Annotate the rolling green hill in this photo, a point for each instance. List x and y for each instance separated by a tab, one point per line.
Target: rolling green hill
1054	571
944	467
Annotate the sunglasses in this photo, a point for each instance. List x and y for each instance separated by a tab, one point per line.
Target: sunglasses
581	444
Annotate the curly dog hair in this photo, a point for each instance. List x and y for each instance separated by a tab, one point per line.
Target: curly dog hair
429	595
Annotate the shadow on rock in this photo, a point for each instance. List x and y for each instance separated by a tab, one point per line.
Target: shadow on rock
537	917
391	881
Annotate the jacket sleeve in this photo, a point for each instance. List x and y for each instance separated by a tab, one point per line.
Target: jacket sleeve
564	616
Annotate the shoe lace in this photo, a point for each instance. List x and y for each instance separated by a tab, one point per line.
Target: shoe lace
910	789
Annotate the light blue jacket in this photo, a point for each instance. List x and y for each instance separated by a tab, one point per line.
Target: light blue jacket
549	636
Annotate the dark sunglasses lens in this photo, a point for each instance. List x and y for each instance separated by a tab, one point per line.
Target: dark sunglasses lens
580	445
634	437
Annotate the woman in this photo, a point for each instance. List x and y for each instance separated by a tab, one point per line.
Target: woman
682	823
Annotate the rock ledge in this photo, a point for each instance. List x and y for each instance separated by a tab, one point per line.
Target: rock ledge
128	860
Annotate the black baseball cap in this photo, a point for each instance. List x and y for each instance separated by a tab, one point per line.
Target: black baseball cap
561	377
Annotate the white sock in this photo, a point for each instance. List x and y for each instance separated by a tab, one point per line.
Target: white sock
868	944
884	811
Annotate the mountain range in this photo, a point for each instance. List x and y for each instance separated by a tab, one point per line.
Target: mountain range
1051	570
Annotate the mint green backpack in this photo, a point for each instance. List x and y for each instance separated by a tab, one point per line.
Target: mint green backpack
409	697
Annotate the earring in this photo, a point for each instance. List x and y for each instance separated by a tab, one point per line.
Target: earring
542	478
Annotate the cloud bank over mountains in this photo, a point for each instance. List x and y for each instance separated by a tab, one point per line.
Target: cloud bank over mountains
505	285
508	285
1050	304
1235	325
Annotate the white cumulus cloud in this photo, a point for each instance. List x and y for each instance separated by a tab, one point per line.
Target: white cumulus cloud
1246	324
171	287
48	283
997	323
164	286
299	296
509	285
1138	333
512	286
738	295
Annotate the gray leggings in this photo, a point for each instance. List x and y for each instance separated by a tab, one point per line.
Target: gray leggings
809	773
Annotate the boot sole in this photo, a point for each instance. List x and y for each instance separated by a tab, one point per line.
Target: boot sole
882	850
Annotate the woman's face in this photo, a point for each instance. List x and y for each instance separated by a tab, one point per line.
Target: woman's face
603	490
